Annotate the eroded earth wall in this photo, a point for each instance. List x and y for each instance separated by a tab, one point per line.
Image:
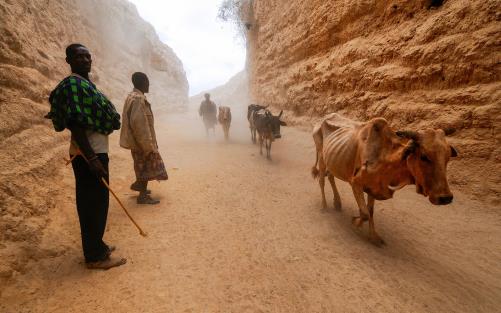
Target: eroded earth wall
414	64
34	35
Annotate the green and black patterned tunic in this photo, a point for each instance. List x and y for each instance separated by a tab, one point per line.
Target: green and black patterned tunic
77	101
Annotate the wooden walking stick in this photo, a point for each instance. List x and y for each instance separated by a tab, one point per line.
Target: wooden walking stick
141	232
70	160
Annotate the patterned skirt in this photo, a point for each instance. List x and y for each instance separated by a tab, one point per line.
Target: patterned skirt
149	167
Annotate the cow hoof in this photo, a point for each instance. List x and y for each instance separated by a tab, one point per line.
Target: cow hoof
358	221
376	240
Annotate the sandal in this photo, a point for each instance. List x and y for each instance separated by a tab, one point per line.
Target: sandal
147	200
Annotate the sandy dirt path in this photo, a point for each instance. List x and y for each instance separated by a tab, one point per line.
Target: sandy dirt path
238	233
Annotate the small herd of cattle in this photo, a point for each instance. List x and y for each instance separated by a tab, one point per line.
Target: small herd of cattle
371	156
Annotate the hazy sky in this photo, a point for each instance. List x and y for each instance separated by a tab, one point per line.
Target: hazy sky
210	52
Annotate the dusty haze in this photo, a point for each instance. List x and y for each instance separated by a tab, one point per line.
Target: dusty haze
235	232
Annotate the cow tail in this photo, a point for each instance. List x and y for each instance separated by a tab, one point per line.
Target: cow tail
314	170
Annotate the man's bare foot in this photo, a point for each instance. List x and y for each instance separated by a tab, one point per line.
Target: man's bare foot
106	264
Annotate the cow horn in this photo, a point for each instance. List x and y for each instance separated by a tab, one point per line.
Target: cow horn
280	115
408	134
454	153
395	188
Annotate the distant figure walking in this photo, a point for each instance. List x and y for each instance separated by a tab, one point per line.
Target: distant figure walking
224	118
138	135
208	112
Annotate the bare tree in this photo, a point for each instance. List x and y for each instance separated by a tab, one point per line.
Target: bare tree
238	12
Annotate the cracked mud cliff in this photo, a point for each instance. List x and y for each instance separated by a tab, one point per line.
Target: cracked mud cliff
417	66
34	35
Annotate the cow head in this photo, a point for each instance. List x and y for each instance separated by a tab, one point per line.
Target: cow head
274	123
427	155
381	169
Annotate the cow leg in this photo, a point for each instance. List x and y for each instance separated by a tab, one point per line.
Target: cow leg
337	198
268	148
364	213
373	236
260	144
321	181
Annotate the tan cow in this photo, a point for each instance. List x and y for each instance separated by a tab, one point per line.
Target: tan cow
224	118
378	161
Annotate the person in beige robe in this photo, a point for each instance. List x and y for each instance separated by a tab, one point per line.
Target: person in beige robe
138	135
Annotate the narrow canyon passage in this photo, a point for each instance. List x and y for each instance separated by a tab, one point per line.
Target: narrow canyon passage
237	233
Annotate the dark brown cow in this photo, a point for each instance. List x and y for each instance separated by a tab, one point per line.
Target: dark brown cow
378	161
268	128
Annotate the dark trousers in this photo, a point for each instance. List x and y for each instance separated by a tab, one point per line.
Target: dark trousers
92	205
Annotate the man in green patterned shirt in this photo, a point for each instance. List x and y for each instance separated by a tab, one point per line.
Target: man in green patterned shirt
77	105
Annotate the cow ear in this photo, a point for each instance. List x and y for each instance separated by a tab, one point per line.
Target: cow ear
409	134
280	115
282	123
454	153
